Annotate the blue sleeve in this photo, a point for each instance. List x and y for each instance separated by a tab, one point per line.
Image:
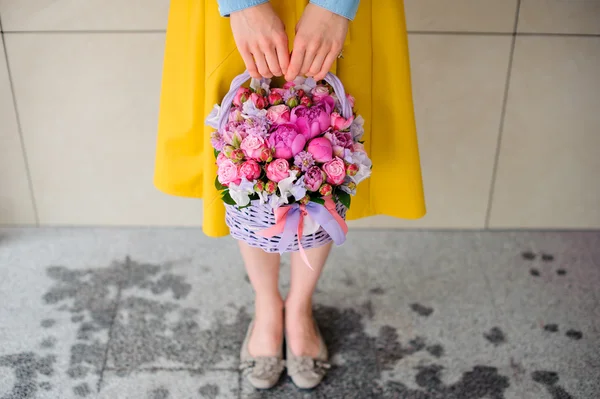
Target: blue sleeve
226	7
345	8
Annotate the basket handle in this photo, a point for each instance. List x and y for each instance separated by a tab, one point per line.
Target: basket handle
239	80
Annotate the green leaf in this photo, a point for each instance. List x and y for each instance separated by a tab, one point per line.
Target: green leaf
318	200
216	152
218	184
344	198
227	198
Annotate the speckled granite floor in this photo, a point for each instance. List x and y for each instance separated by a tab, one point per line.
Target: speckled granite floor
160	314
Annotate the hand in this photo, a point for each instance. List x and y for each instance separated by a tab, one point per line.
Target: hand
261	40
320	36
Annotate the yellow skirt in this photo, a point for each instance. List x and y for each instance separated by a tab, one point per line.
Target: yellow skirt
201	60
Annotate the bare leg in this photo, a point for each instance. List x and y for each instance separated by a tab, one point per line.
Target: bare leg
301	334
263	272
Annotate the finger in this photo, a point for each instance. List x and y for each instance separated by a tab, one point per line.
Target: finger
250	64
273	61
295	64
283	53
326	67
317	64
309	58
261	64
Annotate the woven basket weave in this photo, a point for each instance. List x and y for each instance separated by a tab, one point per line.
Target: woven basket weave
245	223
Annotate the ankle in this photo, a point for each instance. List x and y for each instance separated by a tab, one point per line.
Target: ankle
302	307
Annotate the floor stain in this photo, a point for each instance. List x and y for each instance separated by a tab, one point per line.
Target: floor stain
496	336
550	380
421	310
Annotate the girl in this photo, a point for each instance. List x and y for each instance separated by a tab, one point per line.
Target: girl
209	42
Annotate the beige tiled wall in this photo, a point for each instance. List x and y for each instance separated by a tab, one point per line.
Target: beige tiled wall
509	124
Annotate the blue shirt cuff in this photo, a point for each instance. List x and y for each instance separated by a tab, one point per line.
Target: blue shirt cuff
345	8
226	7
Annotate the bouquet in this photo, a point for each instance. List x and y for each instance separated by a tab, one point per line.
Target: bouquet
289	145
288	161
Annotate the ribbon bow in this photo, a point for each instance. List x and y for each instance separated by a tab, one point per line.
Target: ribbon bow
289	222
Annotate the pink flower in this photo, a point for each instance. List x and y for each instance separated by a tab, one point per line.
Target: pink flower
335	170
278	114
326	101
321	149
253	146
236	115
278	170
234	133
275	98
250	170
358	147
237	155
228	172
326	190
266	155
271	187
259	186
352	169
259	101
289	85
286	141
339	122
340	141
220	158
311	121
319	93
313	178
242	95
351	100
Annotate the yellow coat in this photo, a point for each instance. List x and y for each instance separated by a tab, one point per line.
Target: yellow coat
201	60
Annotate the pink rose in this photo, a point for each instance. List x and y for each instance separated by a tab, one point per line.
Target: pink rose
278	114
253	146
326	190
250	170
270	187
352	169
289	85
321	149
275	98
286	141
259	101
242	95
311	121
319	93
220	158
237	155
335	170
278	170
313	178
358	147
306	101
228	172
339	122
266	155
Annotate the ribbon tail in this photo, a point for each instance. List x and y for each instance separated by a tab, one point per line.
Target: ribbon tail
334	226
300	233
330	205
289	231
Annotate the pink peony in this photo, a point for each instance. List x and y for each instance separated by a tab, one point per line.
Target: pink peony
313	178
278	170
259	101
286	141
278	114
339	122
321	149
242	95
250	170
253	146
311	121
228	172
335	170
220	158
288	85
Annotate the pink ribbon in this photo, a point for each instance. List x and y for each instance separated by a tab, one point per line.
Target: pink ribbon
289	222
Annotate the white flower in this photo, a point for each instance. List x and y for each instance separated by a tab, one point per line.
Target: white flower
288	188
263	197
264	83
249	109
363	173
213	118
360	158
276	201
306	84
241	193
357	128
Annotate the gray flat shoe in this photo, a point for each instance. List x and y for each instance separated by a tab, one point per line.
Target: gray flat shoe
307	372
262	372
